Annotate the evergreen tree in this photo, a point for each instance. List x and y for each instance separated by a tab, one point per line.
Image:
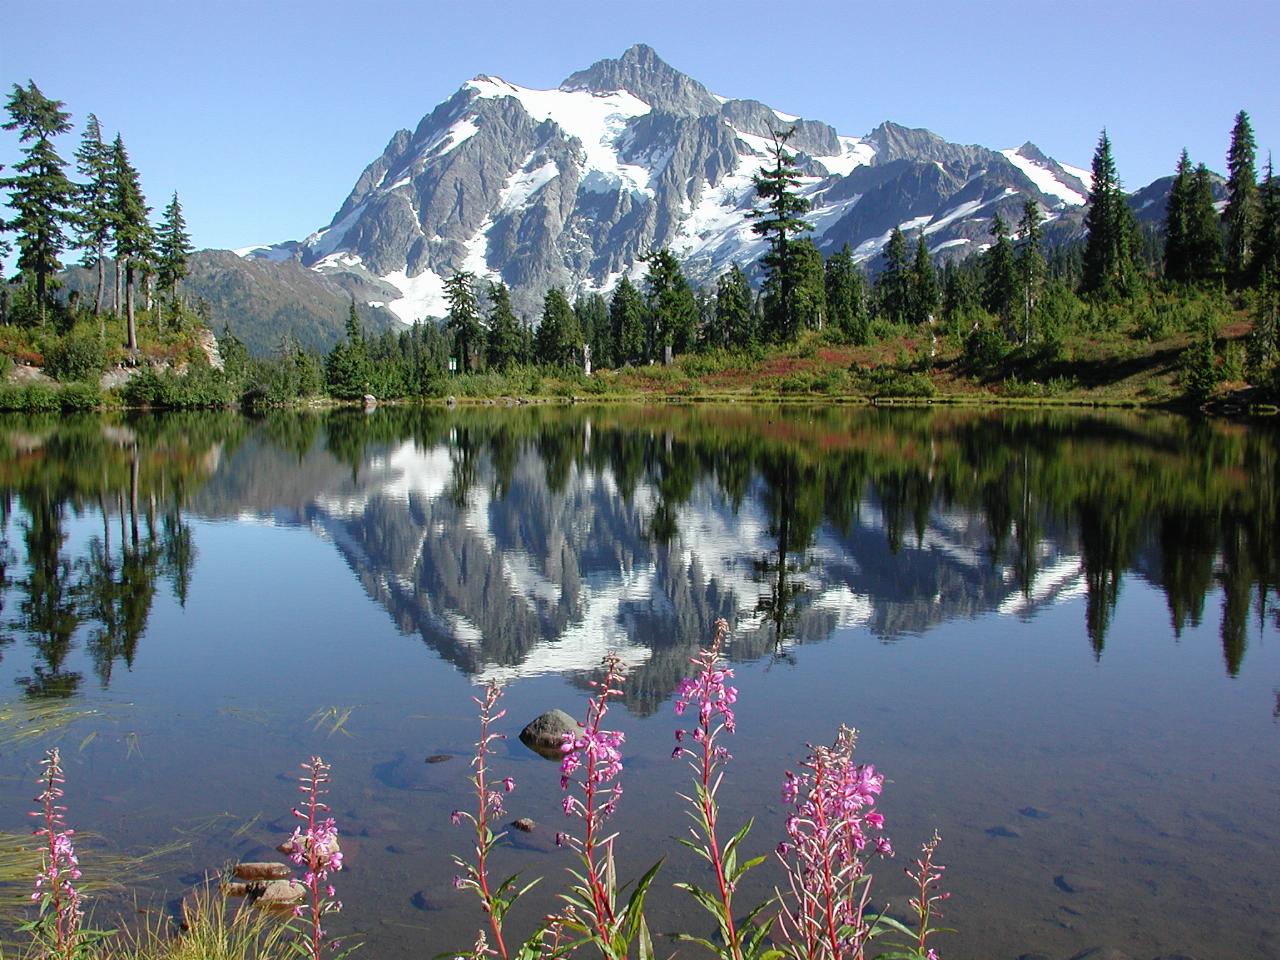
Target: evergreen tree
960	289
673	313
94	218
1177	224
39	191
463	321
846	296
732	327
505	342
1031	268
809	287
1112	242
346	368
1241	215
1204	237
626	318
173	248
779	219
893	286
558	338
1000	272
592	312
924	285
1266	245
133	233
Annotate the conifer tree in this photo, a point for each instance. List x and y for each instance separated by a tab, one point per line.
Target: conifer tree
809	287
558	338
1112	243
173	248
777	222
732	313
924	285
893	286
1000	272
39	192
463	321
673	313
1177	224
846	296
1240	216
346	368
1031	267
133	234
1266	246
959	289
505	342
1204	236
626	318
94	218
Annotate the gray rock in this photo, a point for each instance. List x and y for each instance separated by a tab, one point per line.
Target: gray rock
1072	882
279	892
545	733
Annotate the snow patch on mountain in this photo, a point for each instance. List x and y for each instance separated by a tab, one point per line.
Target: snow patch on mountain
1044	179
324	242
854	153
421	296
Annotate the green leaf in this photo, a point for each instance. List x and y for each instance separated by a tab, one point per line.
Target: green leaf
634	913
646	942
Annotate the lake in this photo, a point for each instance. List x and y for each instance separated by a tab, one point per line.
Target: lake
1056	633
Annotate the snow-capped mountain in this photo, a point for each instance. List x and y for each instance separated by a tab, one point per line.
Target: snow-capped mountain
571	186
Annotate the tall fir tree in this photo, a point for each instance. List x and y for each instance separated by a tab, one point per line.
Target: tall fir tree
733	328
809	285
39	192
673	312
346	367
173	249
1112	244
1241	214
504	348
924	285
558	339
94	218
1204	235
463	321
1031	266
846	296
592	311
1266	246
778	221
133	234
1000	272
1177	224
893	286
626	318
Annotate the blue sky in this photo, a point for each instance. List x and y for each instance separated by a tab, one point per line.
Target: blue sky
262	115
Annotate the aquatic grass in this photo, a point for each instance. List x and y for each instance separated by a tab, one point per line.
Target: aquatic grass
27	721
207	931
334	717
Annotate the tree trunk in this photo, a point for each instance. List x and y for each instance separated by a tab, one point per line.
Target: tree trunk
115	306
128	300
102	282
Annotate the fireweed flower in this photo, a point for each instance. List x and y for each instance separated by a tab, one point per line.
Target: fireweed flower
315	849
832	830
59	868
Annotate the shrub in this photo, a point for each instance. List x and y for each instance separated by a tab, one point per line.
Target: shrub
79	357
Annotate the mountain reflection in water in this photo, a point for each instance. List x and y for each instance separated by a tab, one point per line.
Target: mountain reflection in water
531	541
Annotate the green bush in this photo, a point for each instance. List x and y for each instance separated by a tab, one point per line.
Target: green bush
199	387
892	383
78	357
985	349
80	397
29	398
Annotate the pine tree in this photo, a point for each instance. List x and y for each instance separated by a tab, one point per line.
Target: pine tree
1000	272
1031	268
39	191
1109	269
1177	224
173	248
626	318
558	338
346	368
93	220
779	219
592	311
1266	245
924	285
1204	236
809	285
1241	214
463	321
846	296
505	342
733	327
133	233
893	286
673	313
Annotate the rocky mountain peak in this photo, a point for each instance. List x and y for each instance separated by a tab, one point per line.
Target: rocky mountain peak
641	72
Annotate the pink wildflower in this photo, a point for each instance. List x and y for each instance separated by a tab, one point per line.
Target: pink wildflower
59	868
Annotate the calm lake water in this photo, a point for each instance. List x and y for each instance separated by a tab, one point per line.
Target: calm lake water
1057	635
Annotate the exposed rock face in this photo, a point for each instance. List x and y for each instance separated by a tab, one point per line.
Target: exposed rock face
570	187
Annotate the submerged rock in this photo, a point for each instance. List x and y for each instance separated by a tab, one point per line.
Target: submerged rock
1000	830
439	757
524	824
1035	813
545	733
